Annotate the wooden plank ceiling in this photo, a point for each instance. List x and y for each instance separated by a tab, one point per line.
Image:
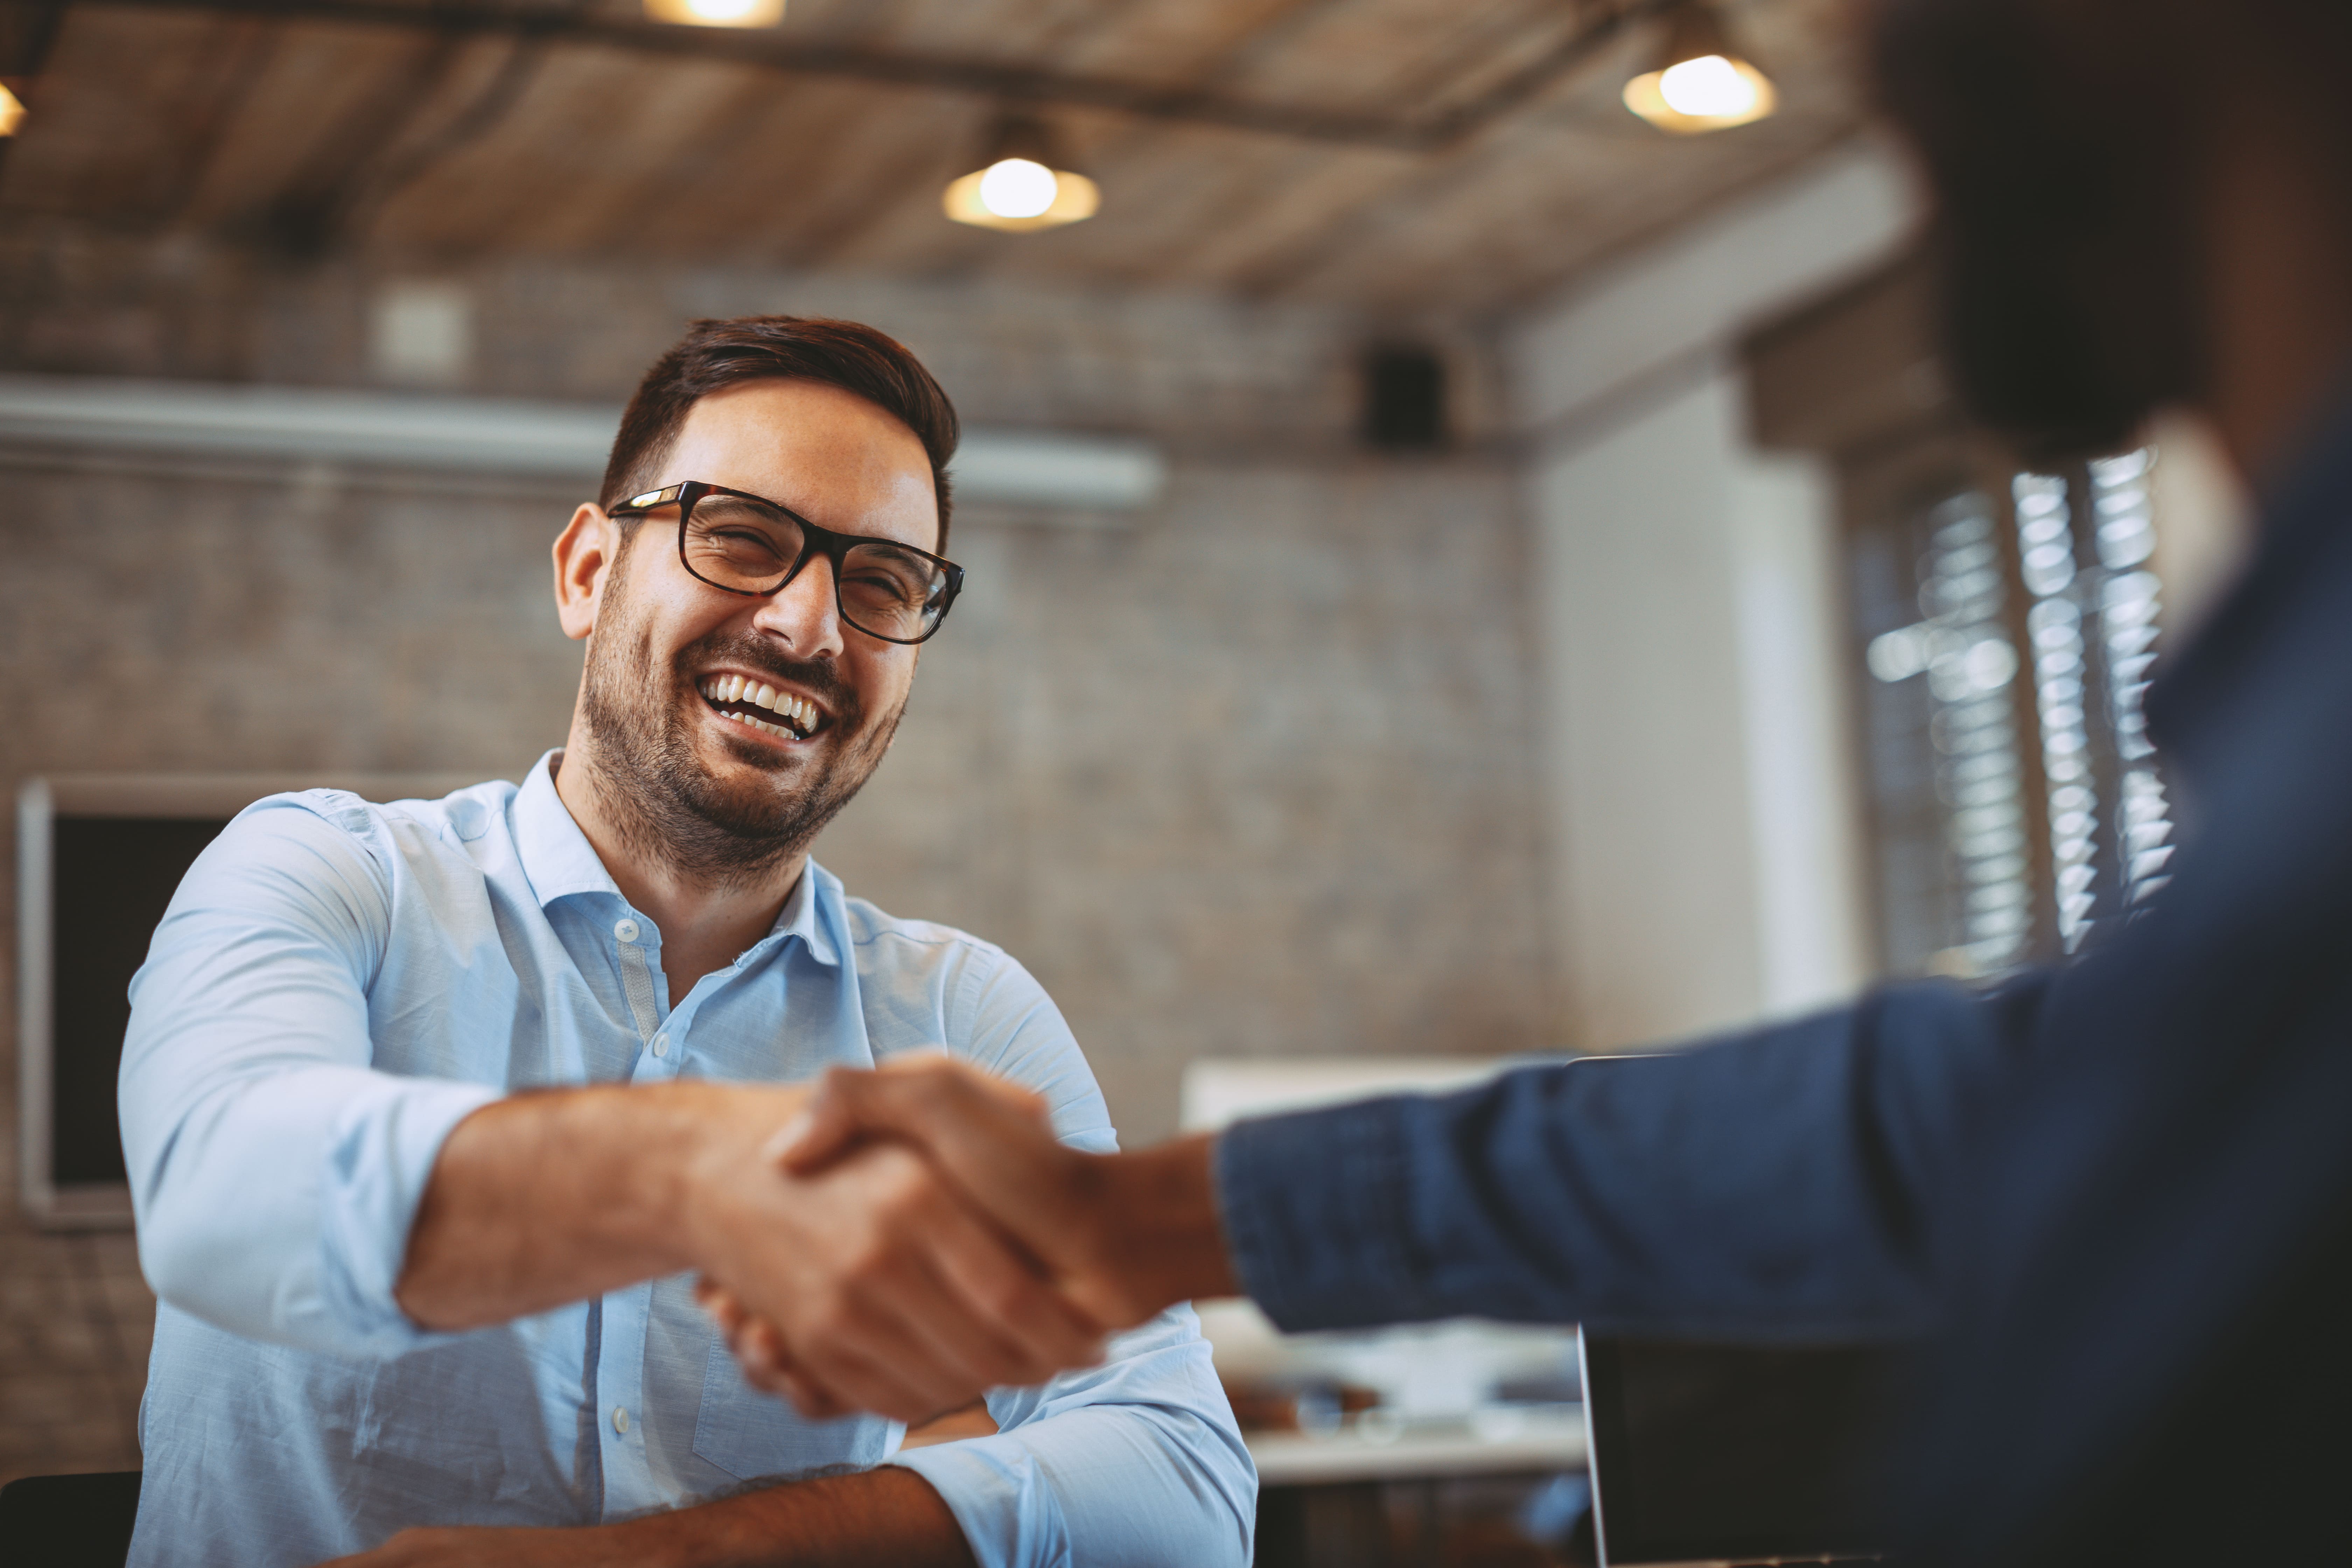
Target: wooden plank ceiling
310	132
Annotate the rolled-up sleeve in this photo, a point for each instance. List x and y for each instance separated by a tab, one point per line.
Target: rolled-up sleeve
274	1172
1134	1462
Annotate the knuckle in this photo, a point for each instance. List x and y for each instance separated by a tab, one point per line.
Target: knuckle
869	1257
1009	1298
823	1323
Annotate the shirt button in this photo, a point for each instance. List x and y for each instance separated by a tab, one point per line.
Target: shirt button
661	1045
621	1418
626	930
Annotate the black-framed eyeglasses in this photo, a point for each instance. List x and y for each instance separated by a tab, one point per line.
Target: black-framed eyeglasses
748	544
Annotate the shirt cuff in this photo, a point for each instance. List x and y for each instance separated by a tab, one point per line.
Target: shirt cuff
379	1160
1008	1514
1317	1219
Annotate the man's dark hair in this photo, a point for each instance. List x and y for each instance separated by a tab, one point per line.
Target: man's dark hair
715	356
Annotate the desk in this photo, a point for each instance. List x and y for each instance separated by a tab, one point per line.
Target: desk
1429	1493
1501	1443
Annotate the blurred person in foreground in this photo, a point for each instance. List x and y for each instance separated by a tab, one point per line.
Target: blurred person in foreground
435	1109
2113	1201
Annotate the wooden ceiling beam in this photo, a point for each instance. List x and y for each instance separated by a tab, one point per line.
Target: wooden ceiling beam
991	79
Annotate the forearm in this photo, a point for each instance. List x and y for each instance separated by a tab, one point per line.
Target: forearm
889	1517
548	1197
884	1516
1769	1185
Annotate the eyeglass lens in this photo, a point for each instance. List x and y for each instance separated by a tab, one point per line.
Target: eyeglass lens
884	589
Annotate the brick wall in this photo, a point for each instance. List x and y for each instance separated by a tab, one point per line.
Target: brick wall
1250	772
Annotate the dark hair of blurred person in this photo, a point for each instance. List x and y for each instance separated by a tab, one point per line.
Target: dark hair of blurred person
2101	168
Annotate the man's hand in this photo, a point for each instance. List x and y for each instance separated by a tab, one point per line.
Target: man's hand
898	1295
1121	1235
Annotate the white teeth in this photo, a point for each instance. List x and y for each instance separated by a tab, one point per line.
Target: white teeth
750	722
801	713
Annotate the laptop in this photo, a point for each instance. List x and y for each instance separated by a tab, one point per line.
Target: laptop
1735	1455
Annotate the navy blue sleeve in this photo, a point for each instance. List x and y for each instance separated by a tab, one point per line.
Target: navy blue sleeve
1765	1185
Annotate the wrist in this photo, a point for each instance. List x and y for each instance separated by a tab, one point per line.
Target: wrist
712	1164
1160	1233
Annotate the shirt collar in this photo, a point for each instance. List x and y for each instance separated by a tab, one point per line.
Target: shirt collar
813	913
560	862
556	855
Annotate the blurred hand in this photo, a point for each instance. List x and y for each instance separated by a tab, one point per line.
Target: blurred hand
893	1294
994	1140
1120	1237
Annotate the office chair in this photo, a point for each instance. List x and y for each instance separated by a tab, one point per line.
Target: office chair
68	1521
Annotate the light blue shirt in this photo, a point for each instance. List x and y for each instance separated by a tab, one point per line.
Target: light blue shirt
336	984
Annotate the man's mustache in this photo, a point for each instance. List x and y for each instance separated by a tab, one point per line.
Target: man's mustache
816	677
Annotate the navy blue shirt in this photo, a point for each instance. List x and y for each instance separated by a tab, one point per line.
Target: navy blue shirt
2113	1201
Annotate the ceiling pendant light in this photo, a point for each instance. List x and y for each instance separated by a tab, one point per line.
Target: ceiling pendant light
717	13
12	110
1022	182
1701	83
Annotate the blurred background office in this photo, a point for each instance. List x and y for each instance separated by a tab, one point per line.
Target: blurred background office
1470	552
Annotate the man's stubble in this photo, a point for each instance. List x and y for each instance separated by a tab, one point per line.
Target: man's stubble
660	799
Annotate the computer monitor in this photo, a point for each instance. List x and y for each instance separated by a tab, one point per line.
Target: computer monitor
1736	1454
97	858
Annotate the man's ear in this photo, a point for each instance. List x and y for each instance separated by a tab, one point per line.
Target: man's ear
586	554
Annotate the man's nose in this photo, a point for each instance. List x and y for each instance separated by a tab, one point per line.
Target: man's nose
805	612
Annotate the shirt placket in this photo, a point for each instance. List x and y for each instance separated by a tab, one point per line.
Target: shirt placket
638	1431
629	1484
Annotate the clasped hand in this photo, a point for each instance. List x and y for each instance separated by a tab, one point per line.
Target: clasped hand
968	1248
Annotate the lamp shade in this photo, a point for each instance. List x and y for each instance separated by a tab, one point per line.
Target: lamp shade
1701	82
1023	181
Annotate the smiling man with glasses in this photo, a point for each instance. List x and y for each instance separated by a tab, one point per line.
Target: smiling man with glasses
439	1112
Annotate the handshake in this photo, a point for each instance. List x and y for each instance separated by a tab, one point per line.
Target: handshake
942	1241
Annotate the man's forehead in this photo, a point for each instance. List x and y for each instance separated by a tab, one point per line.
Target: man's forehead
792	416
823	450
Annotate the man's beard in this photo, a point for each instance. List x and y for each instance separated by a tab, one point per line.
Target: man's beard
664	804
2062	234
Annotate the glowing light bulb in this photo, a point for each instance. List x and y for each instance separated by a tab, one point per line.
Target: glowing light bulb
12	112
717	13
1016	188
1709	87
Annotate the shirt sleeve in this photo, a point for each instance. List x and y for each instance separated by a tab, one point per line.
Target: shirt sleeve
1771	1184
274	1172
1136	1463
